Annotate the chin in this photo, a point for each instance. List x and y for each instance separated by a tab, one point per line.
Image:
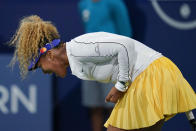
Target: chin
61	75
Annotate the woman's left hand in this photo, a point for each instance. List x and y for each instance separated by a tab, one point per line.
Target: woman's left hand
113	95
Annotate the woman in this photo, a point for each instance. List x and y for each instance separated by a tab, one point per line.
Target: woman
149	88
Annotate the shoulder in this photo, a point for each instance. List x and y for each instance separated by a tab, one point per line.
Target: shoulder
91	37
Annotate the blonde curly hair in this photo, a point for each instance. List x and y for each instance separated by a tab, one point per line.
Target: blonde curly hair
32	34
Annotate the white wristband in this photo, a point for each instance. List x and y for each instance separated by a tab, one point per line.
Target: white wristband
119	86
189	115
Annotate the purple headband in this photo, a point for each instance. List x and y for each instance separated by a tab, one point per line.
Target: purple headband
42	51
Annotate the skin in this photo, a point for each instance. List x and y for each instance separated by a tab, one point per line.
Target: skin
56	61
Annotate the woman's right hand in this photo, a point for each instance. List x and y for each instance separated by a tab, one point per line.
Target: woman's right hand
113	95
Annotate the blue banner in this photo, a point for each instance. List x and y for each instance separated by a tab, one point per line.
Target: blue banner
25	105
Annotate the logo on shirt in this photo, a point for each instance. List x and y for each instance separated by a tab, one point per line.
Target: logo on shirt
85	15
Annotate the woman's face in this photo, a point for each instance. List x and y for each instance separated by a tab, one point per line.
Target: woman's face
50	63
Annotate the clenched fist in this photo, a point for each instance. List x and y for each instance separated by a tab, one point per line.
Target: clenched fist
113	95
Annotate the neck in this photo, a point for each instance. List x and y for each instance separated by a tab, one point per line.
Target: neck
61	55
65	57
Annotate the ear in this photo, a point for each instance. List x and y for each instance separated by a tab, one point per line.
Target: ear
50	55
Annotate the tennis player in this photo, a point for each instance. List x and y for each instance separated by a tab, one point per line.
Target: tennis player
149	88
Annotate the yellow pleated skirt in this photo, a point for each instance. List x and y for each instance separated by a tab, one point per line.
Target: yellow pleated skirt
159	92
